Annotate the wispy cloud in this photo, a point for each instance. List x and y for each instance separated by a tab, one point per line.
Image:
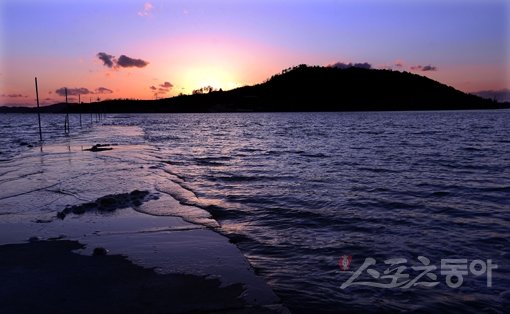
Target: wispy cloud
102	90
108	60
499	94
162	89
127	62
341	65
166	85
147	9
82	91
122	62
423	68
72	91
14	95
399	64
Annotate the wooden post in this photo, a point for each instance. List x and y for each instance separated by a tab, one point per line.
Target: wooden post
66	121
90	102
65	118
38	109
79	106
98	115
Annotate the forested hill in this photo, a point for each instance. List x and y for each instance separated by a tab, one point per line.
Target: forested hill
305	88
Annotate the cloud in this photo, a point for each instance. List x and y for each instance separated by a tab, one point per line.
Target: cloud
429	68
341	65
424	68
108	60
399	63
499	95
162	89
122	62
167	85
14	96
102	90
127	62
73	91
147	8
82	91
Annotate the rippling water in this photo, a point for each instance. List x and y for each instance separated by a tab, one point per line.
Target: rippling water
296	191
19	132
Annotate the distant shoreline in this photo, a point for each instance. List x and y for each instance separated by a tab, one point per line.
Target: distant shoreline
32	110
302	89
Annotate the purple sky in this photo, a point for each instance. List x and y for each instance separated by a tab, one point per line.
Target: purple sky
162	48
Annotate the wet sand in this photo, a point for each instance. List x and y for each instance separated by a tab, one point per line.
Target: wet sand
164	257
48	277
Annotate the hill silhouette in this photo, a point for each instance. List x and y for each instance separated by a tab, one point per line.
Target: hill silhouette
306	88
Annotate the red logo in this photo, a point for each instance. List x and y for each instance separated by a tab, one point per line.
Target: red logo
344	262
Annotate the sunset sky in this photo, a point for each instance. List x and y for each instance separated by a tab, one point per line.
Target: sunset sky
156	48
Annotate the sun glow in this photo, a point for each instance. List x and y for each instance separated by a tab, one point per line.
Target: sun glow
222	62
214	76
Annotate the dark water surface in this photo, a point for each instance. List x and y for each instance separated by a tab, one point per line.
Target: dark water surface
296	191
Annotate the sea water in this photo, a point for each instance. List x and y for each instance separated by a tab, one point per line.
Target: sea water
311	198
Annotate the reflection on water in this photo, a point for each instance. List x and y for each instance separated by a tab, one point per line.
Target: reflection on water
297	191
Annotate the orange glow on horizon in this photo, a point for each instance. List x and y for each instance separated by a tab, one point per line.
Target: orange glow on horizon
221	62
190	63
171	48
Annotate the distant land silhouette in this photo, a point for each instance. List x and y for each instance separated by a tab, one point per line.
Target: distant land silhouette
304	88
